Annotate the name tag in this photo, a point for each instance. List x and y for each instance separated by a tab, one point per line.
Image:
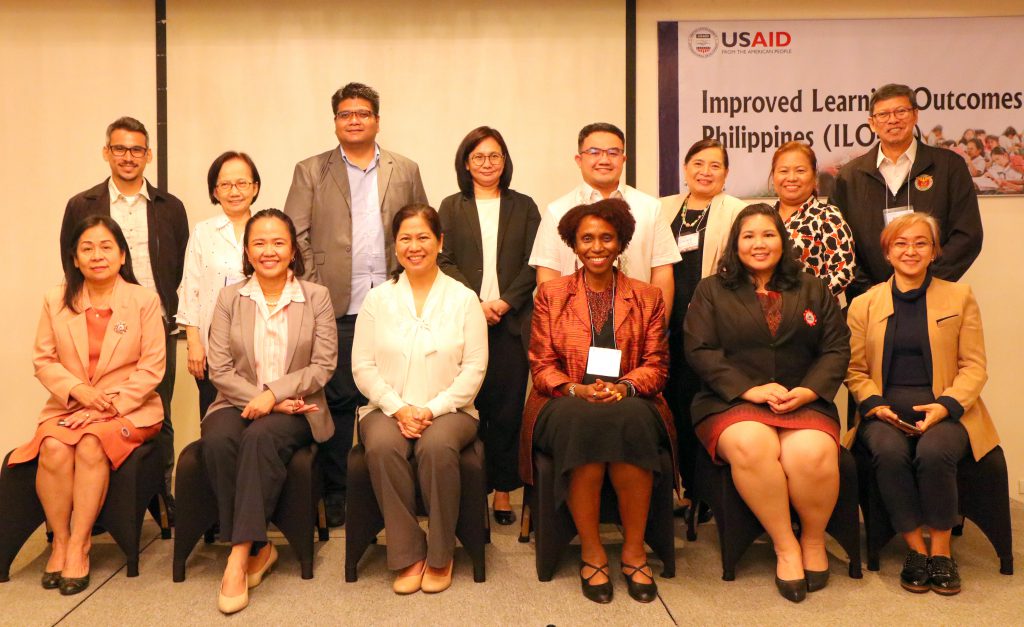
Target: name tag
892	213
689	242
604	362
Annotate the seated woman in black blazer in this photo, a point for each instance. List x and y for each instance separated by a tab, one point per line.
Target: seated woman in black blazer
771	347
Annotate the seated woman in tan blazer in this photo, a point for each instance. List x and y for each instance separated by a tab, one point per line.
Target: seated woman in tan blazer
917	368
99	351
273	345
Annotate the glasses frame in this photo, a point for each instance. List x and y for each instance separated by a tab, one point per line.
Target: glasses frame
225	186
597	153
899	113
119	150
494	158
363	115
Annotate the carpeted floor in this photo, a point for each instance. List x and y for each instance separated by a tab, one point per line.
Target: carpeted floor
511	595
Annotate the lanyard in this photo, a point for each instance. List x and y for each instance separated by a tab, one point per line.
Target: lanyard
611	312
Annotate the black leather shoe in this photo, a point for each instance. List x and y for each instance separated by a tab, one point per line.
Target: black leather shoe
72	585
945	575
504	516
334	506
600	593
643	592
50	580
816	579
794	590
703	515
915	574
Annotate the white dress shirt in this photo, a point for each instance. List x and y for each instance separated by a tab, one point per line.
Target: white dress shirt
652	244
488	210
896	172
435	360
213	261
270	329
130	213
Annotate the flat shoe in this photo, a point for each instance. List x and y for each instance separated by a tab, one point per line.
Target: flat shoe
794	590
72	585
643	592
254	579
437	583
50	580
598	593
816	579
409	583
504	516
230	605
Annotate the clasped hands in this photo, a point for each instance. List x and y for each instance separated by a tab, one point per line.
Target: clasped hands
600	391
97	406
933	413
413	421
265	402
494	310
778	398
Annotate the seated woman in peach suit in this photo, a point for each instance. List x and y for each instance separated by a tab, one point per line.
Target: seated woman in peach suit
100	352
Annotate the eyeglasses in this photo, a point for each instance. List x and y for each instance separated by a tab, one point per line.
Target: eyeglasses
613	153
225	186
902	245
495	158
899	114
362	114
137	151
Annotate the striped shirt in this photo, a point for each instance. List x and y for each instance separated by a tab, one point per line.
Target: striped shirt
270	330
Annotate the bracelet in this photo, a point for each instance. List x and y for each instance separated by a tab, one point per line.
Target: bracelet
572	390
630	388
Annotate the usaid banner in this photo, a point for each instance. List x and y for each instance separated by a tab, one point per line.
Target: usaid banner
756	85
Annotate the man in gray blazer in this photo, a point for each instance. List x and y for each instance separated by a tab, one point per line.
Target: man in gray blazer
342	202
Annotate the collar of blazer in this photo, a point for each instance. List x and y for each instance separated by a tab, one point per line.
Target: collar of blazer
923	161
791	303
102	191
80	331
470	213
577	298
337	168
299	318
938	300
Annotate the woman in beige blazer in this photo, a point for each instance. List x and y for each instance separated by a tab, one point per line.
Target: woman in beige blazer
917	368
273	345
99	350
700	221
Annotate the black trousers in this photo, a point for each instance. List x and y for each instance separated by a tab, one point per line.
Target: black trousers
342	399
247	463
207	393
682	385
917	475
500	403
165	439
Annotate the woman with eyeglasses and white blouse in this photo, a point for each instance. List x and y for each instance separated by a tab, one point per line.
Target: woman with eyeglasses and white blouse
214	259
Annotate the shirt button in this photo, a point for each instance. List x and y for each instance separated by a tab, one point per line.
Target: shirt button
348	249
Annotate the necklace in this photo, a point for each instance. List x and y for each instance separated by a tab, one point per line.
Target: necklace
690	225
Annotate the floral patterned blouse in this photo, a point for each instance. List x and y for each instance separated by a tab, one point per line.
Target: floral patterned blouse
824	243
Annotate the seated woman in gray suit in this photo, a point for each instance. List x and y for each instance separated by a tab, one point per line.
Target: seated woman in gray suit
419	356
273	345
490	231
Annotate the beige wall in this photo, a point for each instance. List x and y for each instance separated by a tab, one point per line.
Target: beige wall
1000	293
248	76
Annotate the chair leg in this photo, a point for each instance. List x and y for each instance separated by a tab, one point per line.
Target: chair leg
23	513
296	511
524	522
691	521
323	533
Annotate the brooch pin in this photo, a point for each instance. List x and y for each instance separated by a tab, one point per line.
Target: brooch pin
924	182
810	318
121	327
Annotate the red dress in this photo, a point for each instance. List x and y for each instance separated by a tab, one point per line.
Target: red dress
711	428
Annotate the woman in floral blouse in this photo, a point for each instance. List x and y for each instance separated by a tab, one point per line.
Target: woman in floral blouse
821	237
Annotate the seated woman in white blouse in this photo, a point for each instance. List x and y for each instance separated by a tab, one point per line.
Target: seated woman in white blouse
419	356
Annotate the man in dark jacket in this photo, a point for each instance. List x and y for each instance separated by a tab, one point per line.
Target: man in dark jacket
900	175
156	227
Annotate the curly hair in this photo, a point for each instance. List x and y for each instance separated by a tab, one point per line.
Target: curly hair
614	211
732	271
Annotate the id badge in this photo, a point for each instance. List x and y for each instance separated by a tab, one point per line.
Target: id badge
604	362
689	242
897	212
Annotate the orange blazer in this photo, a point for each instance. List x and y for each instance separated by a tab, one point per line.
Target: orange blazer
132	357
560	343
958	353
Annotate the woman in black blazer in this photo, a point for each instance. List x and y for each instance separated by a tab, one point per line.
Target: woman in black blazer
771	347
488	235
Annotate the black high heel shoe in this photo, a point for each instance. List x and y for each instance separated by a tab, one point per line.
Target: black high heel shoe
504	516
599	593
73	585
50	580
794	590
643	592
816	579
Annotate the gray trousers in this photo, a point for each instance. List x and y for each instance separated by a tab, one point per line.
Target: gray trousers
389	458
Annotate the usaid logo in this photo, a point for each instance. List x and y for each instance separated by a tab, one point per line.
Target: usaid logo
703	42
